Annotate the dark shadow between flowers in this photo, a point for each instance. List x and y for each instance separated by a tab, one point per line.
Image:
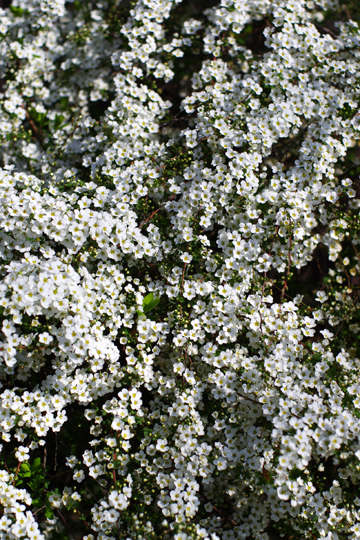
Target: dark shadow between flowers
306	280
98	108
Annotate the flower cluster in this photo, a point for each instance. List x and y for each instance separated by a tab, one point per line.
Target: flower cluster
179	331
16	522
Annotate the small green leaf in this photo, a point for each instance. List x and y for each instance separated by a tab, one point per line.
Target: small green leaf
148	299
36	464
150	302
59	118
33	485
64	102
63	126
17	11
49	514
151	305
25	471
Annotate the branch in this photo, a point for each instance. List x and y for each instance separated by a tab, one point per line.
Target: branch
148	219
182	280
34	129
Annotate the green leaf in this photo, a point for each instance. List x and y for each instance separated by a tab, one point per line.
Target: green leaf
59	118
63	126
25	471
36	464
17	11
49	514
148	299
151	305
64	102
33	485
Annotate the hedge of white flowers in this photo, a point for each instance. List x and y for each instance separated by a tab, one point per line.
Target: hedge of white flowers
179	279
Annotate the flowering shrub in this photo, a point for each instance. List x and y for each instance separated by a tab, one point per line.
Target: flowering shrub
180	267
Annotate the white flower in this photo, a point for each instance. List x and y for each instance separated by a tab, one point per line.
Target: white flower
321	296
79	475
45	338
161	444
22	453
186	257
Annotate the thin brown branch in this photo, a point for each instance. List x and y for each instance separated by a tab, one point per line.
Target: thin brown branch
65	523
34	129
148	219
182	279
16	473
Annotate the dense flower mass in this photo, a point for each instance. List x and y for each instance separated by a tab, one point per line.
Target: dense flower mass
180	263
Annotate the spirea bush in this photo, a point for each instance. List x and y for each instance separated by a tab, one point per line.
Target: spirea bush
180	260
